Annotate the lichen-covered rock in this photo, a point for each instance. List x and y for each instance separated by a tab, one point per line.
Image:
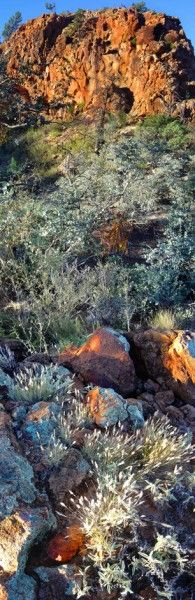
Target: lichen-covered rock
107	408
169	358
21	587
17	534
144	60
40	423
103	360
65	545
71	473
16	479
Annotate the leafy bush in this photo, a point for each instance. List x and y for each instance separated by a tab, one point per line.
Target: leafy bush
41	151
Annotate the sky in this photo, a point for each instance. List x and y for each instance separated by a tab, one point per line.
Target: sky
184	9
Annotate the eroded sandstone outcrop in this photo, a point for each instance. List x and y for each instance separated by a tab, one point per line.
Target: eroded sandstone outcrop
139	63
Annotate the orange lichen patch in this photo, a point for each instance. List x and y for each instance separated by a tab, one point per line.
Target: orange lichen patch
98	405
64	546
179	361
106	407
169	356
96	409
42	411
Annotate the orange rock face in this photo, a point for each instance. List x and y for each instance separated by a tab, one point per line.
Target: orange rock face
170	356
64	546
180	358
141	63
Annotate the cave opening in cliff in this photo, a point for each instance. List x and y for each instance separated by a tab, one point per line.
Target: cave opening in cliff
122	98
158	32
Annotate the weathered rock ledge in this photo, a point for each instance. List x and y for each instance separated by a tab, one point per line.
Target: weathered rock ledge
140	63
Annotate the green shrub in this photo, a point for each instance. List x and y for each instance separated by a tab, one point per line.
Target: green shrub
133	42
12	25
168	129
81	141
13	167
140	6
56	278
41	152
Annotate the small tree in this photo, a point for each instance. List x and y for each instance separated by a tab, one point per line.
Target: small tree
140	6
12	24
50	6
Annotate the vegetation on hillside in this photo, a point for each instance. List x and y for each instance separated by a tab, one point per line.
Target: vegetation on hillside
90	239
97	228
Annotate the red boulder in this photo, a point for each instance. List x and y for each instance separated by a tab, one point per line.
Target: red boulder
103	360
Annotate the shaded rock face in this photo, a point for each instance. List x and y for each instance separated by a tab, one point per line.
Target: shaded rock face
169	356
16	479
139	63
71	473
17	534
103	360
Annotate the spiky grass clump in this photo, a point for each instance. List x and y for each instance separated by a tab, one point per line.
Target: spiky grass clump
55	452
163	319
157	453
40	384
127	470
75	416
107	452
114	508
104	520
114	576
7	359
166	551
72	417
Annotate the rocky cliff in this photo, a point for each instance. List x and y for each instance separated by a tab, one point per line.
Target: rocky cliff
139	63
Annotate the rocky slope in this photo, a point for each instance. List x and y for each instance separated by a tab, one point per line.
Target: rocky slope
41	552
125	60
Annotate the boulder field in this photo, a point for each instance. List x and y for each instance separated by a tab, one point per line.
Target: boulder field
120	379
